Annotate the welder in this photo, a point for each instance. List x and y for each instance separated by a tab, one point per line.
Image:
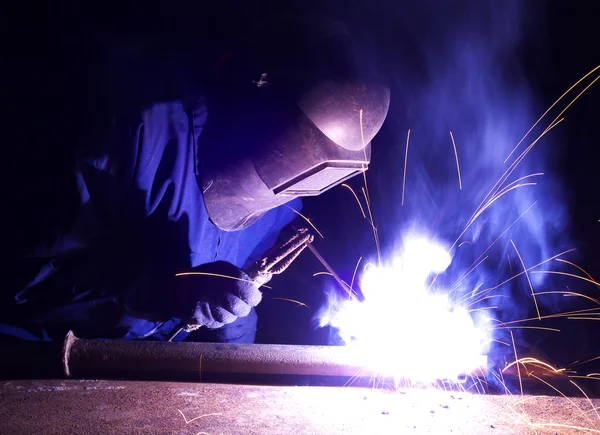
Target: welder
201	167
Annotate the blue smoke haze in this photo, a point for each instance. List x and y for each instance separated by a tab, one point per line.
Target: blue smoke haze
475	88
469	81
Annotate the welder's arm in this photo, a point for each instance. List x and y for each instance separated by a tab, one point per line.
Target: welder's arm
216	294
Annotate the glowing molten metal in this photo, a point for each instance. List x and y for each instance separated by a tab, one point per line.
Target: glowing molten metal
404	329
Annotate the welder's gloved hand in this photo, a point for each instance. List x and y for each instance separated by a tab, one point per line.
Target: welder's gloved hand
212	301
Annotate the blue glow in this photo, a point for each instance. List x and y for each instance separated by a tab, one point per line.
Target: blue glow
508	216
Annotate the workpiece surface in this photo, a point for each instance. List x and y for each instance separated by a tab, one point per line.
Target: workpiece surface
127	407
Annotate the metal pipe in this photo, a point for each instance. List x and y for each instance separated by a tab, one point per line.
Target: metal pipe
164	361
264	363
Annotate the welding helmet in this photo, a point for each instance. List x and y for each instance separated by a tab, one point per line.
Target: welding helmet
292	115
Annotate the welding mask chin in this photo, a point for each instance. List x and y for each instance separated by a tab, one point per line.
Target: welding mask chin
298	129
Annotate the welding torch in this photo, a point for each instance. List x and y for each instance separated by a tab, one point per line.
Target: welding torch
274	262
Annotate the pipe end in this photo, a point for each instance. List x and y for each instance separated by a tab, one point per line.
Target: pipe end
68	344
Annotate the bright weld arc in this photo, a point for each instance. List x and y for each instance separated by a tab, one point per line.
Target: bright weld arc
393	294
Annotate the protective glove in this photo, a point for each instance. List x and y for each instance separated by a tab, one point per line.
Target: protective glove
212	295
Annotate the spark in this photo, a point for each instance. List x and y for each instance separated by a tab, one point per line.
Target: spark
501	380
302	304
375	234
537	174
572	275
362	134
368	266
479	212
489	290
322	273
508	188
354	274
487	297
354	378
537	309
524	154
586	396
306	219
366	196
550	108
518	368
576	98
549	316
589	360
493	191
343	283
199	417
494	199
472	310
562	394
499	237
218	275
541	328
457	165
569	293
405	163
529	269
469	271
588	377
366	189
566	426
578	267
357	200
534	361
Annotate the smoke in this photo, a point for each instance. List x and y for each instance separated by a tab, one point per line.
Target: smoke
477	90
470	83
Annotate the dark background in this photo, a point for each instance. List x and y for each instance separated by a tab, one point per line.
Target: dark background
54	56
